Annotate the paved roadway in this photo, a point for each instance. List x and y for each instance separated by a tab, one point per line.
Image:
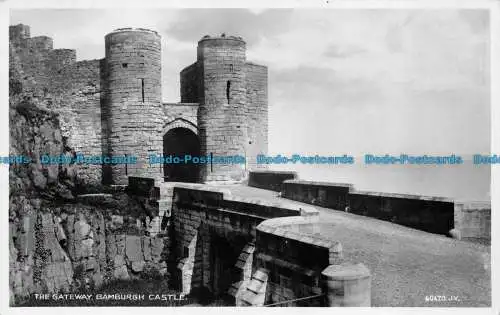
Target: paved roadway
407	265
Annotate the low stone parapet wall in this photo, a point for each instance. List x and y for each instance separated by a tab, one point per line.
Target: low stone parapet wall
431	214
324	194
303	268
270	180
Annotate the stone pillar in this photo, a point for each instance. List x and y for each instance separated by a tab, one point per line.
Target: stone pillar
347	284
472	221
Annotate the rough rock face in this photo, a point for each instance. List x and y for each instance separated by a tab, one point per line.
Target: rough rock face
37	260
59	241
78	246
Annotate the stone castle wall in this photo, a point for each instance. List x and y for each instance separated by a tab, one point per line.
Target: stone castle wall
256	111
191	83
113	106
69	88
187	112
78	95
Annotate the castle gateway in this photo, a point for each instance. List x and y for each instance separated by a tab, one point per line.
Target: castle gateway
119	110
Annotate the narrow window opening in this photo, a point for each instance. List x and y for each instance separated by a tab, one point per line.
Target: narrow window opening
231	68
228	88
126	168
142	87
211	159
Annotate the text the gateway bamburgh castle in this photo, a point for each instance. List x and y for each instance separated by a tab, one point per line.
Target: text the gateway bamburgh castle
142	230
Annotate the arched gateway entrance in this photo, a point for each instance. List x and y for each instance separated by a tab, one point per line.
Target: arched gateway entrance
178	142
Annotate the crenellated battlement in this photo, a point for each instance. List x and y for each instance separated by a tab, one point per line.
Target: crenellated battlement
19	32
40	43
38	58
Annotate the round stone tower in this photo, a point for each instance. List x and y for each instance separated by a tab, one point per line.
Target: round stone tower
132	112
221	116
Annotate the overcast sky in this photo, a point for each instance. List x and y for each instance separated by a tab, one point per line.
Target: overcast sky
340	81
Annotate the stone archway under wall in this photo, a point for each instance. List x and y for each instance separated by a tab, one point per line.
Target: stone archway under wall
180	138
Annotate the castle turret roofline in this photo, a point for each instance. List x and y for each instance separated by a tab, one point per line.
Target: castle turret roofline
133	29
221	37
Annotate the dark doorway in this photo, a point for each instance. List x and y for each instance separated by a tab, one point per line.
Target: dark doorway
223	257
179	142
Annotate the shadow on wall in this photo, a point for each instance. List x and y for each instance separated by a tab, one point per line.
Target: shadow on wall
179	142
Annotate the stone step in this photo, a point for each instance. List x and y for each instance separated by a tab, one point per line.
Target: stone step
256	285
260	275
237	288
255	292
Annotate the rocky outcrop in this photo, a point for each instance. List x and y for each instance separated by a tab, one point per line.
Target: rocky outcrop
72	247
37	259
132	255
